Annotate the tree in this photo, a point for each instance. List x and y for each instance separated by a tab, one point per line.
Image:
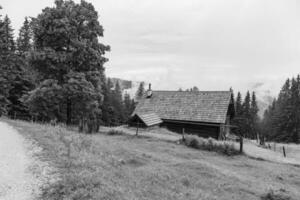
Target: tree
68	52
107	108
254	115
8	63
195	89
238	105
128	106
8	36
246	113
21	82
141	91
281	119
24	39
117	103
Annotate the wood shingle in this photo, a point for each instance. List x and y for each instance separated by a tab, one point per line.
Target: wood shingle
201	106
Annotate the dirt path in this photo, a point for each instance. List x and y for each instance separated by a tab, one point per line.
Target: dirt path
16	180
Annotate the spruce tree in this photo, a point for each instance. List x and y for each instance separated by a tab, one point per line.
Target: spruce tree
254	115
8	36
128	106
24	39
141	91
9	63
118	104
238	104
246	113
107	108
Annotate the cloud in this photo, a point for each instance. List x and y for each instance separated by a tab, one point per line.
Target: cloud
213	44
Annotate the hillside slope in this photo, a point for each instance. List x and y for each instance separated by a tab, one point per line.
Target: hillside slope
126	167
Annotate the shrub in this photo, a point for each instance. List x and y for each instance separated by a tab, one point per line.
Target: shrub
279	195
211	144
115	132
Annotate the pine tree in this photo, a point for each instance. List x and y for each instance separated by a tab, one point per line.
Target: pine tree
8	36
107	108
141	91
9	64
281	119
128	106
25	37
246	113
118	104
238	104
295	111
254	115
238	118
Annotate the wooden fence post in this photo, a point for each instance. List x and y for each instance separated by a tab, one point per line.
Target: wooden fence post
241	144
283	149
137	129
183	138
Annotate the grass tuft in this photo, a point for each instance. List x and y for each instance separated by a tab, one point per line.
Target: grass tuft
115	132
278	195
210	144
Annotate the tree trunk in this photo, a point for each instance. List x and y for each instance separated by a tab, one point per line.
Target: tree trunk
69	110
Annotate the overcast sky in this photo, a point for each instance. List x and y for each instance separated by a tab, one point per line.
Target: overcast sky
213	44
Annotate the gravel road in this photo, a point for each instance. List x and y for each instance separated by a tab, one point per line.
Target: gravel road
17	182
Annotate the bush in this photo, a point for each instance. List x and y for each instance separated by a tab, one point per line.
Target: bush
115	132
211	144
279	195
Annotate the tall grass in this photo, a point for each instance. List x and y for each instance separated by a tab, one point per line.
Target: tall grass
275	195
210	144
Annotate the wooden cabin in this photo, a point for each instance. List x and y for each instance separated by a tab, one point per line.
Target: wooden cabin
204	113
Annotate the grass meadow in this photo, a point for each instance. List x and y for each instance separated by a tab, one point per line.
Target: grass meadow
122	167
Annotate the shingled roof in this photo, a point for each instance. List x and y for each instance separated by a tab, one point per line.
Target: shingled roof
149	119
202	106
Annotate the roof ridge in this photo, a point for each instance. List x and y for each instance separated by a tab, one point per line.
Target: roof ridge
191	91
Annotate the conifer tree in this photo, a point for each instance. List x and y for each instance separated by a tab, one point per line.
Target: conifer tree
141	91
9	63
118	104
8	35
24	39
254	115
107	108
128	106
281	119
246	113
238	105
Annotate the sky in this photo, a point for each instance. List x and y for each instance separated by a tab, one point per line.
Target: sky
211	44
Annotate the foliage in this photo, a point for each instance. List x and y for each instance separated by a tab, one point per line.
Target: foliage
141	91
116	109
246	116
281	119
14	79
115	132
24	40
275	195
223	147
68	55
